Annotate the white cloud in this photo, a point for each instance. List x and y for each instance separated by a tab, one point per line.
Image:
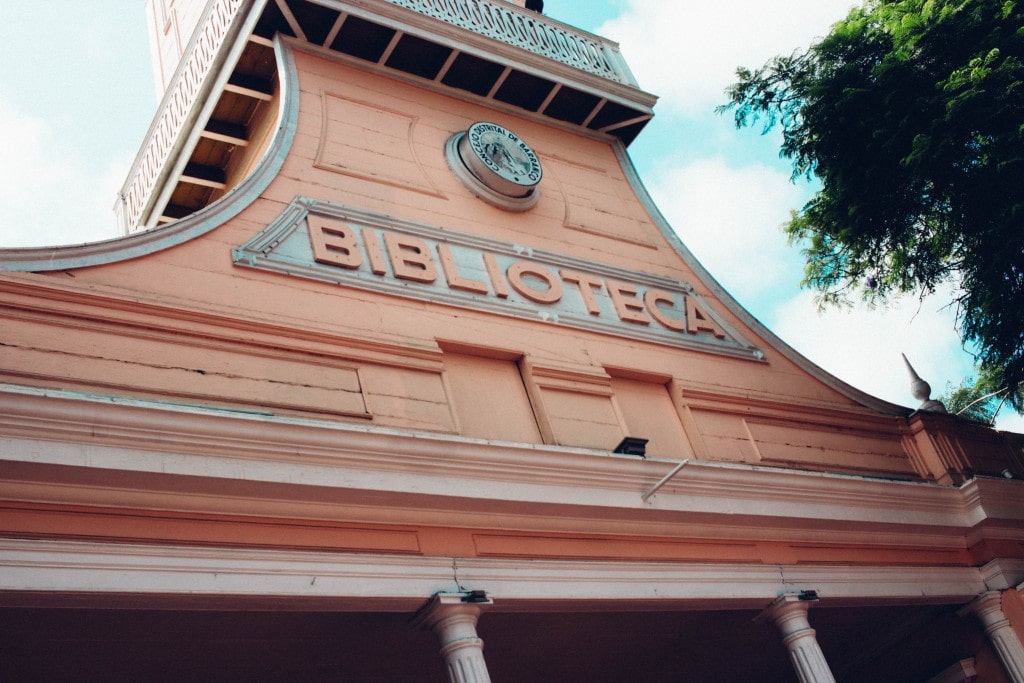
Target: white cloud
25	160
731	218
729	214
863	346
47	198
687	52
1009	421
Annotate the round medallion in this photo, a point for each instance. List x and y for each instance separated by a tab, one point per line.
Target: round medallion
502	169
500	159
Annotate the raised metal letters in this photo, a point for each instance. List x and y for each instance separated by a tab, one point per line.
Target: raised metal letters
354	248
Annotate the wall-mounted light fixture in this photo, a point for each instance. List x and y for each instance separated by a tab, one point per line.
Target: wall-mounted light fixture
632	445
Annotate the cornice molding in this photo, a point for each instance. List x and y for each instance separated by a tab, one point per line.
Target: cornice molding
1003	574
51	572
990	498
787	410
91	434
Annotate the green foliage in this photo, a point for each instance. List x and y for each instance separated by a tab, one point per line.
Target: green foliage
981	398
966	402
910	113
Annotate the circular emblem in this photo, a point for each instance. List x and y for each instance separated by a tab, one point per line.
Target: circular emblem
500	159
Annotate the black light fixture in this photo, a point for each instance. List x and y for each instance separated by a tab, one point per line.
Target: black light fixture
475	596
535	5
632	445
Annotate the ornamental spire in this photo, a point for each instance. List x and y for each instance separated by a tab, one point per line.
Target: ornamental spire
921	390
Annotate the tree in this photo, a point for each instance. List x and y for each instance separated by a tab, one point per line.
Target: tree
910	113
977	398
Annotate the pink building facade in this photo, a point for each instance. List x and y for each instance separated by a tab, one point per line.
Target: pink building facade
396	359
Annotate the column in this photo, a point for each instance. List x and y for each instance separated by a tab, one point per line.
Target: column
452	617
987	607
789	614
961	672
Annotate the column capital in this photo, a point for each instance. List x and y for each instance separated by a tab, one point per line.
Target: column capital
787	608
789	613
452	617
988	608
443	606
961	672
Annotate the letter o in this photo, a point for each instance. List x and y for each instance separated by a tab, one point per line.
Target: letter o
519	269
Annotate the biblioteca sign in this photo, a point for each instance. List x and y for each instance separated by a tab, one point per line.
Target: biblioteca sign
333	243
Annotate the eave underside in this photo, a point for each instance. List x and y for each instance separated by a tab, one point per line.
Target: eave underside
399	43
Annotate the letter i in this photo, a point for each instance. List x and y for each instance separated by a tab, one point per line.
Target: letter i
497	279
374	252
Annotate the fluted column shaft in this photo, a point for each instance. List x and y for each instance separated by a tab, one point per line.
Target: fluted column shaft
987	607
789	614
453	621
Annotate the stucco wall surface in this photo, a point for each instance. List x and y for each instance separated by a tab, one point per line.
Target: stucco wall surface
190	324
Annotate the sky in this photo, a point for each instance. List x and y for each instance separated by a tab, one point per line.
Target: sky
74	111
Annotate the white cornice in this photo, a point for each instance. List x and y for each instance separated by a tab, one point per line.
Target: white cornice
990	498
49	572
223	451
1002	574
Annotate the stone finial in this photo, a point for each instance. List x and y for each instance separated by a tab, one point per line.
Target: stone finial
921	390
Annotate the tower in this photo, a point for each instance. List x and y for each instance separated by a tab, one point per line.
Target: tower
396	354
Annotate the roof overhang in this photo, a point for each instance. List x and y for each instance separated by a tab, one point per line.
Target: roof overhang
482	50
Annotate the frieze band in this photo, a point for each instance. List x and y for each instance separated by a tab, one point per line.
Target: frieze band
333	243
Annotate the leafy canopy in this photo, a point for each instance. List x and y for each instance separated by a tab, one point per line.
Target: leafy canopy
911	115
977	398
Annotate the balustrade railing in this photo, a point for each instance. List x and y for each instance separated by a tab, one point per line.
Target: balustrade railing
178	101
494	19
536	34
